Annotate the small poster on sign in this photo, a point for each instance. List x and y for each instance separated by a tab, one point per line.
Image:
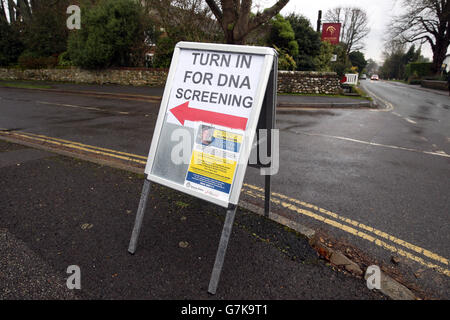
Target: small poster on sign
213	163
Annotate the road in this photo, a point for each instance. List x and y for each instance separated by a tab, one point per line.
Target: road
388	170
374	180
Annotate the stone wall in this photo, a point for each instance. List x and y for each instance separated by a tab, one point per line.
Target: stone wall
308	82
122	76
288	81
433	84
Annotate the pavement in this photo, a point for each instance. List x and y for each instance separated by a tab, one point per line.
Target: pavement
59	211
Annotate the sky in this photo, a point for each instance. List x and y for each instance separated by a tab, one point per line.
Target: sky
380	13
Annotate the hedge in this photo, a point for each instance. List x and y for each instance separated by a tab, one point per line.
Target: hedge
419	70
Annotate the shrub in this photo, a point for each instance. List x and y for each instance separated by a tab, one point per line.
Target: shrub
10	45
419	69
45	33
64	60
29	60
108	33
164	51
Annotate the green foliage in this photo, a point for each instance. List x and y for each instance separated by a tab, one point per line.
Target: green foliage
285	61
343	64
46	33
358	60
395	65
108	33
282	37
164	51
31	60
309	44
419	70
323	59
64	60
10	45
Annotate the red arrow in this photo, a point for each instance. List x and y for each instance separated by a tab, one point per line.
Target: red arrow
183	113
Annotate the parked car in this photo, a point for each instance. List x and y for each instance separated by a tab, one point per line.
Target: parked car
375	77
363	76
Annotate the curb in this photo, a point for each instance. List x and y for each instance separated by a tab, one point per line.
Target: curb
389	287
325	105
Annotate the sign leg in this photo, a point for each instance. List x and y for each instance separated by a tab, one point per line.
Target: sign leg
139	217
220	256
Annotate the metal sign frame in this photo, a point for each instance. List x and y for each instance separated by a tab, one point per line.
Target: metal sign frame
265	99
249	133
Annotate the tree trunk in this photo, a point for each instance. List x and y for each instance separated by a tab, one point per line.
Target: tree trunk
439	53
236	21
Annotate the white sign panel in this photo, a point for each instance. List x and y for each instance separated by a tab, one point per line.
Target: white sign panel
212	99
211	84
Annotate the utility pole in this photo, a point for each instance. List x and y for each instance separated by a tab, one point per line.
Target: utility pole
319	21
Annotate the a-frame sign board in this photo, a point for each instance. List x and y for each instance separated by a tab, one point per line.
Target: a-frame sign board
206	126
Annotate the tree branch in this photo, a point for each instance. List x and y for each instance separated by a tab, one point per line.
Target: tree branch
215	10
267	14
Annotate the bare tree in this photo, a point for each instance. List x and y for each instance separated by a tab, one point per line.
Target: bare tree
236	19
354	26
3	8
183	19
425	21
22	10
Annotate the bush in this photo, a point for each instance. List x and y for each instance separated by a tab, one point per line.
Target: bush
64	60
108	33
10	46
46	32
419	69
164	51
285	61
29	60
282	36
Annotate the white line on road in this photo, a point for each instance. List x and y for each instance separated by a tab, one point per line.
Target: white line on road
389	105
410	121
439	153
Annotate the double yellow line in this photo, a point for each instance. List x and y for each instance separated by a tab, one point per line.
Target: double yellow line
355	228
358	229
61	143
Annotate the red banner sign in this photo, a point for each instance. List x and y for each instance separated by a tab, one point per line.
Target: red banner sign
331	32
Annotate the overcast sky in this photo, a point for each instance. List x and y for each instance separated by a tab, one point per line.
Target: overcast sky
380	13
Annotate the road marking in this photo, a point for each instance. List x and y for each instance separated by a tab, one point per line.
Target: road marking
81	107
389	105
88	146
410	121
77	146
355	223
356	232
289	203
440	154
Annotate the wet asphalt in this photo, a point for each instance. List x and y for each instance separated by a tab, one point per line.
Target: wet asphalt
58	211
379	168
